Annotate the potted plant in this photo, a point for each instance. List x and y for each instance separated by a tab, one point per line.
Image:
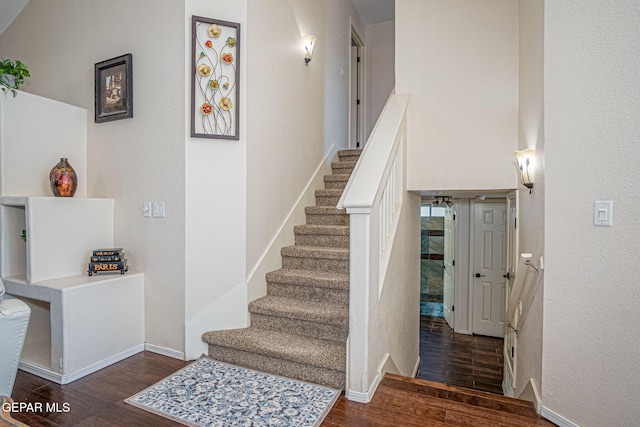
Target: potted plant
12	75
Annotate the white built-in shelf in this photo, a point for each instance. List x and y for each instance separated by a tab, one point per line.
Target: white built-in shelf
78	324
13	201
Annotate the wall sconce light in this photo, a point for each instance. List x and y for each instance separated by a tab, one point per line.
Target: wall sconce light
309	43
525	160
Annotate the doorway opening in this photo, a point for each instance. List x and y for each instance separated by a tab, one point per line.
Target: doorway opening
452	351
356	91
431	260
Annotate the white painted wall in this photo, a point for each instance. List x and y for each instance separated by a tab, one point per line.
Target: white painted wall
394	326
30	145
459	61
590	370
532	207
286	130
298	114
380	78
131	160
215	199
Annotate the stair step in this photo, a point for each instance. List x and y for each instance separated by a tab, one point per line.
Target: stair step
306	359
309	285
343	167
302	310
328	197
463	395
311	319
322	235
320	279
326	215
349	155
316	258
338	181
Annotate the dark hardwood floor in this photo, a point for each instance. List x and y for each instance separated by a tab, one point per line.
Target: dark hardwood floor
471	361
98	399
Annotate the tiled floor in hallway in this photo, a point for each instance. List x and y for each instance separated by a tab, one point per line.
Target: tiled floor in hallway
472	361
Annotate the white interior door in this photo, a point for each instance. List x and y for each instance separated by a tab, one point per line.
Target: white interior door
353	98
489	267
448	280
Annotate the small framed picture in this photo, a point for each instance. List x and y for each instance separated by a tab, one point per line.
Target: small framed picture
114	89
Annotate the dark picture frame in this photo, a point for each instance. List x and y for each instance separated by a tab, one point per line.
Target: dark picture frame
215	79
114	89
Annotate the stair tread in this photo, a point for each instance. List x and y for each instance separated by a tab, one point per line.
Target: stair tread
338	177
352	152
345	163
330	192
320	252
464	395
324	210
308	351
321	279
313	311
332	230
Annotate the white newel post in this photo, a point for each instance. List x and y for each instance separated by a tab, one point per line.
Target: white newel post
373	199
359	303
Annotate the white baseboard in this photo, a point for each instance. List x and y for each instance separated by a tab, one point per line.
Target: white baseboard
229	311
557	419
164	351
357	396
537	401
416	367
67	378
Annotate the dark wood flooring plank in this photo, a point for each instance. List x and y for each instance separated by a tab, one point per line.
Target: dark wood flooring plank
98	401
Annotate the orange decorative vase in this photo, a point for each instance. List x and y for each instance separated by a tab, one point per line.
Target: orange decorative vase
63	179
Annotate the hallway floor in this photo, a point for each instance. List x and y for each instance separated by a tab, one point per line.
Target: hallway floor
472	361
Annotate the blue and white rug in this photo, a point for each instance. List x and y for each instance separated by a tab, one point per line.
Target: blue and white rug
433	309
212	393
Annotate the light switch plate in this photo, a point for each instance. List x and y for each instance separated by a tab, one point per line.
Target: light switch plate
146	209
158	209
603	213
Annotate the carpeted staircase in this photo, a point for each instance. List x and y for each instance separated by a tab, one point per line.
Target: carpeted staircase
299	329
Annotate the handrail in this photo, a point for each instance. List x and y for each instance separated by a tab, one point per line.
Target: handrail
522	293
374	167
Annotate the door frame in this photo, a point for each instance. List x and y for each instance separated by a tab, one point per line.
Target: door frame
361	75
452	239
472	237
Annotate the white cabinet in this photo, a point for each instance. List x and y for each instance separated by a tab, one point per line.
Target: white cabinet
79	324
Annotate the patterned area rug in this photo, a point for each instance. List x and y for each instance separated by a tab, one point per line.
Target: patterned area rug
212	393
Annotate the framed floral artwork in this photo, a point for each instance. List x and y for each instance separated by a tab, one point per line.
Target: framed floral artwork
215	79
114	89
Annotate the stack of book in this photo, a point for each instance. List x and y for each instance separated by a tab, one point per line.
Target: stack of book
107	260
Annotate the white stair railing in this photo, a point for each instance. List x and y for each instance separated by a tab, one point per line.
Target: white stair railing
528	278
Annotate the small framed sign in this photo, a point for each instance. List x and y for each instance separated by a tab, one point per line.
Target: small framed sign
114	89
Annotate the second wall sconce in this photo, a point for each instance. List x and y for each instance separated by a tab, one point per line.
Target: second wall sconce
525	159
309	43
